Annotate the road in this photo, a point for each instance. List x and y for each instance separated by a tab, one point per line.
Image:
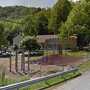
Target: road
80	83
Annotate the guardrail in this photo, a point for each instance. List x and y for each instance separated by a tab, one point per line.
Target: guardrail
28	83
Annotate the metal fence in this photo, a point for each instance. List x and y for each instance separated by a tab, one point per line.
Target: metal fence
28	83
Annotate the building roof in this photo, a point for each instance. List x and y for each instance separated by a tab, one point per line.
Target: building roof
43	38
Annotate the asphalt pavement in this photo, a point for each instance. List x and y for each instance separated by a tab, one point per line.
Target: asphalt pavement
79	83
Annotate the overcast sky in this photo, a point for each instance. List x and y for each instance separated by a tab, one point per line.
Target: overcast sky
32	3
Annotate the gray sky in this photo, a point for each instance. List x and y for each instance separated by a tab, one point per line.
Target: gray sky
32	3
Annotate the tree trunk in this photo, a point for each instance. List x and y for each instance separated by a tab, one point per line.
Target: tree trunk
60	50
16	61
10	62
28	60
23	62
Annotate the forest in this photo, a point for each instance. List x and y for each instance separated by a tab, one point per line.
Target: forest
64	19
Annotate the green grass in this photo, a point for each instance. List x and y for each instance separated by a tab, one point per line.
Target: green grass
53	81
35	58
84	66
43	84
6	81
76	53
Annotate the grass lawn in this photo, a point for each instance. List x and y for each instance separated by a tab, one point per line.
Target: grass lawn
85	66
35	58
76	53
57	80
44	84
53	81
6	81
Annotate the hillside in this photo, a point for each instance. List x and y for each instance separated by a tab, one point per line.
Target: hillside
15	12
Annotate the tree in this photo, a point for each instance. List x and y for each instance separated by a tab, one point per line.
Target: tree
59	15
17	12
29	27
30	43
41	23
11	34
78	23
3	40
